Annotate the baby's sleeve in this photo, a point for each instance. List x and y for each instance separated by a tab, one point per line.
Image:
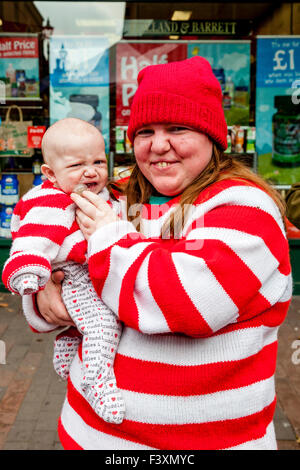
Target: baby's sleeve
38	231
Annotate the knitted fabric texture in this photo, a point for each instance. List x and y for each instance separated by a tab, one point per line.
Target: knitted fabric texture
197	355
185	92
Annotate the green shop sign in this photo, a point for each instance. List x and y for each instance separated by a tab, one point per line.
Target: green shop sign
144	28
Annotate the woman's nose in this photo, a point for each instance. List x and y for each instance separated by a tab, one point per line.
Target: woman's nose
160	143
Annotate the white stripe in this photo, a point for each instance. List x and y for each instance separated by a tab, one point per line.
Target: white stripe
38	192
151	318
152	227
107	236
91	439
186	351
42	245
251	249
206	293
241	195
288	291
50	216
15	223
267	442
166	409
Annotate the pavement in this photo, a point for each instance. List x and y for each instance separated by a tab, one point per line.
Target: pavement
31	393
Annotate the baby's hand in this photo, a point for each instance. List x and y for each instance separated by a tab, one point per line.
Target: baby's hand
26	284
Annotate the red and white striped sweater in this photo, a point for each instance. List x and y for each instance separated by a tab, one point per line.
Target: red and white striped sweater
45	234
197	356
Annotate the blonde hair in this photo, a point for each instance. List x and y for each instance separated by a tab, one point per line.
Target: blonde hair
221	166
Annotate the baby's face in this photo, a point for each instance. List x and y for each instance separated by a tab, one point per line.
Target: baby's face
80	160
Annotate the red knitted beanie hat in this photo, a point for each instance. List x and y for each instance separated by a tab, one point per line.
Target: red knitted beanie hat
185	92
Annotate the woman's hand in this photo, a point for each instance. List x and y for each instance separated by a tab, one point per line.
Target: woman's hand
50	303
92	213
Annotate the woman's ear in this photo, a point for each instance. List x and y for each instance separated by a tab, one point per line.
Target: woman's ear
48	172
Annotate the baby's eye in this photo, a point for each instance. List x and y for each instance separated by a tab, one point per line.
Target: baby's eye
100	162
74	165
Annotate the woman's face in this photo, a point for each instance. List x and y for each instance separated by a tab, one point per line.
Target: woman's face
171	156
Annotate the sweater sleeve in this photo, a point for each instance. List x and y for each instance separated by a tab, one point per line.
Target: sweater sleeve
40	223
231	264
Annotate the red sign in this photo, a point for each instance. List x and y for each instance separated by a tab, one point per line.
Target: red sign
133	57
18	47
34	136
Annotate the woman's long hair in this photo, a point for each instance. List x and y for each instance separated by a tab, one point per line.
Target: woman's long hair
221	166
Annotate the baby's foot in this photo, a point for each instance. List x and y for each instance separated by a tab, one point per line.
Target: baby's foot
65	349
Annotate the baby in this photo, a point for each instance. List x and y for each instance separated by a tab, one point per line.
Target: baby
46	237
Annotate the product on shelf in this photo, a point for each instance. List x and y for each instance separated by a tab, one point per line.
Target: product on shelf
286	130
9	190
242	139
5	221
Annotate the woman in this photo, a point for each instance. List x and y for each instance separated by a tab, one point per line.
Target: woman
199	274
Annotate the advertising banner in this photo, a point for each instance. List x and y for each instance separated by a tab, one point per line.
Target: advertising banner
131	58
278	108
230	61
79	80
19	67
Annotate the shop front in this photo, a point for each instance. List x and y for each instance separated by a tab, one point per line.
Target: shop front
81	59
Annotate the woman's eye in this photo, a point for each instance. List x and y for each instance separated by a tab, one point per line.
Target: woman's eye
178	128
144	132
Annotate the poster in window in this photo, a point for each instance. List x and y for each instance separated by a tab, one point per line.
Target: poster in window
79	80
19	67
278	108
230	62
131	58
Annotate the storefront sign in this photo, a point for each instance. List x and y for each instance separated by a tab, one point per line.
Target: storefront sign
19	67
150	28
131	58
278	108
230	61
18	46
79	80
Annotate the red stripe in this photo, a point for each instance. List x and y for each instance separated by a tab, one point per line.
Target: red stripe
198	436
66	440
253	221
166	379
178	309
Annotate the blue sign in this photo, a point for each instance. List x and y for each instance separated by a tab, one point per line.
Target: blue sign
79	80
277	108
